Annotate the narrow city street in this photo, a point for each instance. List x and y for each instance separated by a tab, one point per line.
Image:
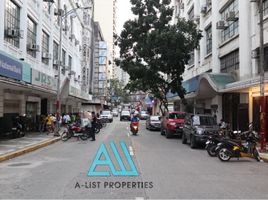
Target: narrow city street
172	169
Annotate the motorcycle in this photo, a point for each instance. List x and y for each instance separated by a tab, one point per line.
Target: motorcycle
16	129
246	147
213	140
134	127
74	131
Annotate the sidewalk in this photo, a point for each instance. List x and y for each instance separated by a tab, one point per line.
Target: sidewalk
10	148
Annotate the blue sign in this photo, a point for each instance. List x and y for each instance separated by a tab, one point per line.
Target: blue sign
102	60
108	162
27	73
10	67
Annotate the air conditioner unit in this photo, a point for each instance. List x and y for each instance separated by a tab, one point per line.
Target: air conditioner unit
46	55
33	47
56	62
65	28
72	36
197	18
231	16
14	33
221	25
204	9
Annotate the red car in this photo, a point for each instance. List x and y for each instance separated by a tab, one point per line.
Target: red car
172	124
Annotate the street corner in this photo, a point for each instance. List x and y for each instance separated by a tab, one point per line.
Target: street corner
27	149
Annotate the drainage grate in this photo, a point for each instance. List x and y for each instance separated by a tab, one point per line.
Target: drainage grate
19	164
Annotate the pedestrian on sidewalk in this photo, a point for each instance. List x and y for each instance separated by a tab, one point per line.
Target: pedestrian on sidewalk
94	125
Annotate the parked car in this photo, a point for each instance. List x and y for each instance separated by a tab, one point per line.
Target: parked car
115	113
144	115
153	123
197	128
106	114
125	115
172	124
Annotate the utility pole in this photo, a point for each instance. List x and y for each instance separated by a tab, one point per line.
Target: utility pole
262	97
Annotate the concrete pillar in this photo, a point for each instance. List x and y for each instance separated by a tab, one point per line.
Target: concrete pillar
23	26
217	100
1	102
245	39
250	107
2	23
22	104
216	39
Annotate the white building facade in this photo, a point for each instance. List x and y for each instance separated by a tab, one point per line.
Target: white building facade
29	43
222	76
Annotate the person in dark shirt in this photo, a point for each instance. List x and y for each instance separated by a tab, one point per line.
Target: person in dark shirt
94	124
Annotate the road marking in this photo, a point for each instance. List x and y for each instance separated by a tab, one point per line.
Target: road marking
131	152
139	198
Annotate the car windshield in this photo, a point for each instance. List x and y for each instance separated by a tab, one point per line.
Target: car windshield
106	112
176	116
125	113
204	120
143	112
155	118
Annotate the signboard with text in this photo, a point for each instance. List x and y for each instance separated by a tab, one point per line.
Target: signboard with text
43	80
10	67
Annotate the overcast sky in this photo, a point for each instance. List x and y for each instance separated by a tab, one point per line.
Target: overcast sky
123	13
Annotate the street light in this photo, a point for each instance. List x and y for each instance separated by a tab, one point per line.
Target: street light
62	15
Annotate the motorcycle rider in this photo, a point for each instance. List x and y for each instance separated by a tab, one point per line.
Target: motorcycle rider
134	119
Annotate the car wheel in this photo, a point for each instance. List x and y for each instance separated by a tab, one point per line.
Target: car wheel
192	142
184	138
168	135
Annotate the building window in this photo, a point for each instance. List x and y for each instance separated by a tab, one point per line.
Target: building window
12	23
191	60
209	40
265	59
45	47
230	62
47	7
191	14
55	52
63	61
70	60
232	26
31	37
265	7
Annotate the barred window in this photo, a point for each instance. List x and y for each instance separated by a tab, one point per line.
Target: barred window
209	40
230	62
191	60
45	46
233	26
265	7
55	51
12	21
31	37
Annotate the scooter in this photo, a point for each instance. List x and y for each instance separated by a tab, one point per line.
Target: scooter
74	131
228	149
134	127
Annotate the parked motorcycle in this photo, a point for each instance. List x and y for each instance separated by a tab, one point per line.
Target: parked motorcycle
213	140
16	129
74	131
228	149
134	127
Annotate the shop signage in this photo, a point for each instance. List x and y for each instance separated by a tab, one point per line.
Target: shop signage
26	73
10	67
79	93
43	80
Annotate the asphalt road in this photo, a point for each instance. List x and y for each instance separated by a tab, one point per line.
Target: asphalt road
166	168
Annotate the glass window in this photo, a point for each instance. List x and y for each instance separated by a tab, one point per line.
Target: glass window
45	46
191	60
209	40
47	7
191	14
31	37
204	120
55	51
63	61
155	118
233	26
265	7
70	60
230	62
12	22
176	116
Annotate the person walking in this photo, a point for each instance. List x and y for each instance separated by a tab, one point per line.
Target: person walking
94	124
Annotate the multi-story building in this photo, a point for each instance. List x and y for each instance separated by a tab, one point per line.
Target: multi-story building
105	14
222	77
29	56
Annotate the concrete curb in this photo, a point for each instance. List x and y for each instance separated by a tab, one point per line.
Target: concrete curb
28	149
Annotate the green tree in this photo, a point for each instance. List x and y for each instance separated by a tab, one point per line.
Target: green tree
118	90
153	51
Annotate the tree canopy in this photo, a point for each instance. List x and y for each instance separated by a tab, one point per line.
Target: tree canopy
154	51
